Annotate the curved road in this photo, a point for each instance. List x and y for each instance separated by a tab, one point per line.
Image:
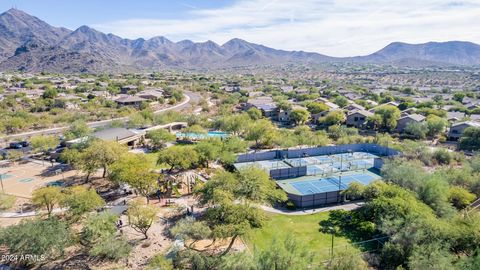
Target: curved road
191	98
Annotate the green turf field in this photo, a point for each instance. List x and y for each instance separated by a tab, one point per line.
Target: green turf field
304	228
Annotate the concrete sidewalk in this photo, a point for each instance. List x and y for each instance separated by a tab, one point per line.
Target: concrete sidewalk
29	213
116	206
284	211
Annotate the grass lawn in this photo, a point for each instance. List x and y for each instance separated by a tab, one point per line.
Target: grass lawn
303	228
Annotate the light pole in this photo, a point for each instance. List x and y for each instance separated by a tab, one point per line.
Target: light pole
332	232
1	180
341	163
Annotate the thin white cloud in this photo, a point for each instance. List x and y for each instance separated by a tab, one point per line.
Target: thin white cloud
332	27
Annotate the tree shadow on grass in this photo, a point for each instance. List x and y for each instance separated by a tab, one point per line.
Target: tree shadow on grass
351	225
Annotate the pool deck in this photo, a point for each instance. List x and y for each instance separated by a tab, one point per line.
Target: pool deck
201	136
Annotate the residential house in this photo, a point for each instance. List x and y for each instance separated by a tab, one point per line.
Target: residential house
327	102
408	111
371	102
358	118
316	116
255	94
103	94
128	88
455	116
265	104
66	86
231	89
153	94
467	100
32	93
403	122
301	91
71	106
284	115
353	96
66	96
391	103
474	117
58	82
130	101
331	107
353	107
473	105
457	129
286	88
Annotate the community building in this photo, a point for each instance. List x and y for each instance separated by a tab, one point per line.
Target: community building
120	135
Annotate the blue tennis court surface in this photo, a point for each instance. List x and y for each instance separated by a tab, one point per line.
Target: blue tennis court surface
315	170
361	178
323	159
265	164
318	165
332	183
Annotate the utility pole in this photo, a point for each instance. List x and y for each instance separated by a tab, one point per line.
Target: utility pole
340	179
1	181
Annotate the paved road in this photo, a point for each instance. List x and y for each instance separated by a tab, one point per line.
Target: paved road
191	98
346	206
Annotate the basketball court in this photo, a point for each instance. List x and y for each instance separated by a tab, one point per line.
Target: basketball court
21	179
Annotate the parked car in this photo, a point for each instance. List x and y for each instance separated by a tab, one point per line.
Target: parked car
25	143
16	145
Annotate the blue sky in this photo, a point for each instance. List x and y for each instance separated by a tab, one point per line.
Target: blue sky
74	13
332	27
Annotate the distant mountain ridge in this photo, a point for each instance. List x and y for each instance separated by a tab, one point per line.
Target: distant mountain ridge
30	44
450	52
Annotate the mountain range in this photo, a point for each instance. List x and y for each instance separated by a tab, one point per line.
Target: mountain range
30	44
